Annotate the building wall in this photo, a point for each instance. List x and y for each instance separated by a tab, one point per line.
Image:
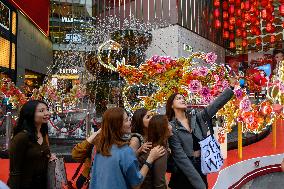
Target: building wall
34	50
170	41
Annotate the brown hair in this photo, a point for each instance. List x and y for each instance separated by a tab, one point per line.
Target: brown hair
158	130
137	124
111	132
169	110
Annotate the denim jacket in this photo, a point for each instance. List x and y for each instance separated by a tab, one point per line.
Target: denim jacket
181	142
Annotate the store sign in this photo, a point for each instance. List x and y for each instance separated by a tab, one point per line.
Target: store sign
4	16
73	38
68	71
70	20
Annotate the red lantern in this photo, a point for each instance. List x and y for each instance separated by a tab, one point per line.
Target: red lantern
257	23
232	20
231	9
247	17
216	3
225	15
272	39
271	18
238	2
226	34
243	25
225	5
238	22
217	24
258	31
281	9
232	45
258	41
244	42
231	27
247	5
242	5
216	13
253	30
239	12
231	1
225	25
231	36
244	34
238	32
264	3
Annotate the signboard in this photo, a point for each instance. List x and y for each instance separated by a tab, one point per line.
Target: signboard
36	10
4	16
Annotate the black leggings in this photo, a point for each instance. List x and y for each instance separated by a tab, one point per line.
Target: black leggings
180	181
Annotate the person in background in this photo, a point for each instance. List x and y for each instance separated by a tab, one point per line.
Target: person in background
115	164
29	151
139	127
188	130
159	130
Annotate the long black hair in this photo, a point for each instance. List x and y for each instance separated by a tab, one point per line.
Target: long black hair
26	120
169	109
137	121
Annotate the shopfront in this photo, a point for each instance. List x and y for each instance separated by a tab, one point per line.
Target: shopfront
8	40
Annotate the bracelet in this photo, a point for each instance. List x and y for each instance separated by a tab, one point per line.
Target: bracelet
149	165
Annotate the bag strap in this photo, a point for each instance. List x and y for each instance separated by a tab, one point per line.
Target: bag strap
77	171
209	123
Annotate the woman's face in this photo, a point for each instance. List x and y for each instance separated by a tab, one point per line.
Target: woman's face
146	119
42	114
126	128
279	57
179	102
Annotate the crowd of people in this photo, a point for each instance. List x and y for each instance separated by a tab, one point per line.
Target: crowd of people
126	152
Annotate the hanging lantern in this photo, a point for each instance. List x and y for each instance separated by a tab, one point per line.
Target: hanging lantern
242	5
225	5
244	42
272	39
258	41
226	34
231	1
225	15
253	19
231	27
243	25
271	18
257	23
231	9
238	3
264	3
216	13
225	25
253	30
238	32
281	9
244	34
247	5
232	45
239	22
232	20
217	24
239	12
258	31
216	3
231	36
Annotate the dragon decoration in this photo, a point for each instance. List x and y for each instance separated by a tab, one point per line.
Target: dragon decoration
198	78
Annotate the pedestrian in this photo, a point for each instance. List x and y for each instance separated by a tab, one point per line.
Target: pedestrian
184	143
29	151
115	164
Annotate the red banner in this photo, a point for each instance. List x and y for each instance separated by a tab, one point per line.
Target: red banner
36	10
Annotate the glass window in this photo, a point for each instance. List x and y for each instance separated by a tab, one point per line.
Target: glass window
4	16
4	52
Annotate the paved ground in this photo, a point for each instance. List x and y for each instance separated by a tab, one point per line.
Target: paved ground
270	181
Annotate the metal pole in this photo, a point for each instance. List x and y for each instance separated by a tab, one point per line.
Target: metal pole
240	140
8	129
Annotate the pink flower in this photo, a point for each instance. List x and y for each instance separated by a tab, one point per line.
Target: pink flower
225	84
195	86
205	92
245	105
155	58
238	93
195	73
210	58
216	77
281	87
207	100
203	71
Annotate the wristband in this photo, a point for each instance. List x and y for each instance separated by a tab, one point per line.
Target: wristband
149	165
